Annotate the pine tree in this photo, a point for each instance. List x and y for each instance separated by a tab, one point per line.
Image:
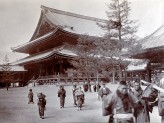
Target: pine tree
7	74
120	38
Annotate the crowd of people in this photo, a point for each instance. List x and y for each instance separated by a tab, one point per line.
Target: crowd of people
128	104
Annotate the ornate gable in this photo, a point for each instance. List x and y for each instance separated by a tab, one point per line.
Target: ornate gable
43	27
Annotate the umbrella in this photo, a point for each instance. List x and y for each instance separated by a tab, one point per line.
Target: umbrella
40	95
78	93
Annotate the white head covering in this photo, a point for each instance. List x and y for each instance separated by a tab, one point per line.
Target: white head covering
162	83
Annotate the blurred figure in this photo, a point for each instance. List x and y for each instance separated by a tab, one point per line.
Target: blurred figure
62	95
85	86
94	87
30	96
73	92
98	87
41	104
80	98
161	101
104	91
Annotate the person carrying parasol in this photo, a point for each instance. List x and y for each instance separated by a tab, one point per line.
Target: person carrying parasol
80	98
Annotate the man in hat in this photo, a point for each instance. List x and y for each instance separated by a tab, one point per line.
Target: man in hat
143	113
41	104
104	91
30	96
62	95
120	102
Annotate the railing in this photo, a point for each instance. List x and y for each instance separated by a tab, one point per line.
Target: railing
56	79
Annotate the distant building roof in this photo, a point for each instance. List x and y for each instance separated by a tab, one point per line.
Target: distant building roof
16	68
139	67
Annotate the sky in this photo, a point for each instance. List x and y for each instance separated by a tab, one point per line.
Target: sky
19	18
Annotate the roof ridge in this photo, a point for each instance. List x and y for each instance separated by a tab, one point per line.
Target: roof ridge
152	34
72	14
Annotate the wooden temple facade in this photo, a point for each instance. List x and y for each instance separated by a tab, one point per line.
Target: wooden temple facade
52	46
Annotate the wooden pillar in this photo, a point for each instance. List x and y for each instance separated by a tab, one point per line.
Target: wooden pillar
125	73
131	76
61	66
40	70
97	77
149	72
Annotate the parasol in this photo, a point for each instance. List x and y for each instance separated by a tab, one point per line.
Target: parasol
78	93
40	95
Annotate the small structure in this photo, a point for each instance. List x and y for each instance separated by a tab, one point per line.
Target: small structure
18	75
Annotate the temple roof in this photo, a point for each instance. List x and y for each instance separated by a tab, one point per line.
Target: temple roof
75	23
60	51
52	20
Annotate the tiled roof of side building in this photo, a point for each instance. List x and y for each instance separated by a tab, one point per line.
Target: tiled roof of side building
156	39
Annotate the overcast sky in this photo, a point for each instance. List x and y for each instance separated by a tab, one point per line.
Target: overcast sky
19	18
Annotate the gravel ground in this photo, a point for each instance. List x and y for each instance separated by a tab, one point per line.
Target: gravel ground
14	107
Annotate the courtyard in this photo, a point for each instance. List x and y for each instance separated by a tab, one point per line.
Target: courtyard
14	107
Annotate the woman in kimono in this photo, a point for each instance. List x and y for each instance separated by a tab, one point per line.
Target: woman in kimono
30	96
62	95
41	104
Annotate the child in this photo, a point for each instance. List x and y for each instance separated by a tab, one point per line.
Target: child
30	96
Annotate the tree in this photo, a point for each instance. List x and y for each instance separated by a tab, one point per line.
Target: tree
7	74
83	62
120	38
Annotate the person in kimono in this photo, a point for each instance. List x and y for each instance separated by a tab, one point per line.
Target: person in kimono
80	99
41	104
120	102
94	87
73	92
85	87
30	96
143	113
98	87
62	95
104	91
161	101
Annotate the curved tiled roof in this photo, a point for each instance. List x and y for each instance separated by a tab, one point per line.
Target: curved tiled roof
66	21
61	51
156	39
34	42
78	24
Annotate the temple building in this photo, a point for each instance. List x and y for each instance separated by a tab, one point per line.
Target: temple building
52	44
